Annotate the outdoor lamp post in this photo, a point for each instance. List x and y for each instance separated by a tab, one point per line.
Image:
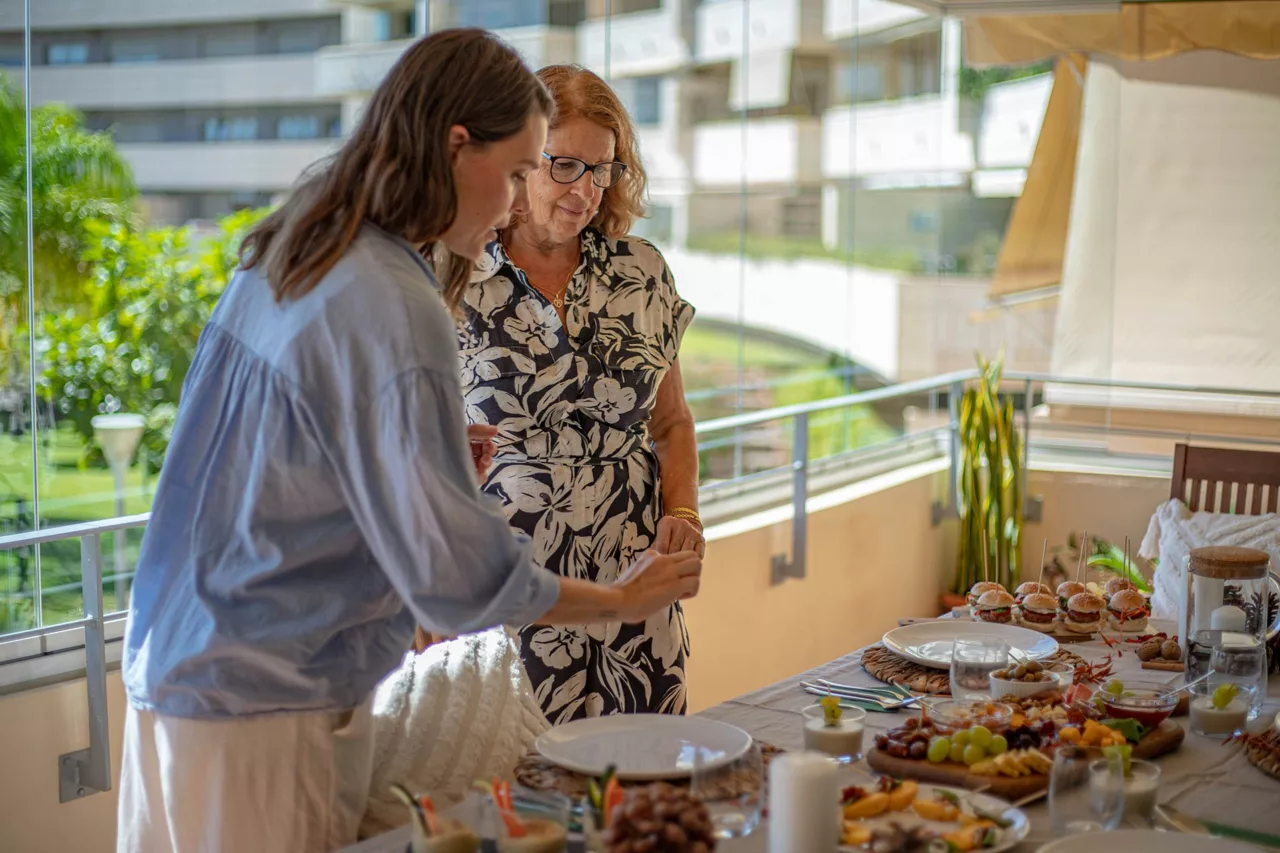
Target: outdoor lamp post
118	436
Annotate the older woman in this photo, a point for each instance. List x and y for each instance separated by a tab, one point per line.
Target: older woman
570	331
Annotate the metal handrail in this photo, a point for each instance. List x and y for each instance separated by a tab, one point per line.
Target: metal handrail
45	535
889	392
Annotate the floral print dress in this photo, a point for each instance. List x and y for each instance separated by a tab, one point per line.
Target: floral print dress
574	467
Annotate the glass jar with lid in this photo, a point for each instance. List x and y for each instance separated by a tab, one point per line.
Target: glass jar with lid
1230	609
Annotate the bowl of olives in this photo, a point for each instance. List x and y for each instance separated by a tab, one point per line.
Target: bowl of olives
1024	679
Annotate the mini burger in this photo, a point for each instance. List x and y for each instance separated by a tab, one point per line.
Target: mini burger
994	605
1030	588
1128	611
979	588
1116	585
1065	591
1084	613
1039	612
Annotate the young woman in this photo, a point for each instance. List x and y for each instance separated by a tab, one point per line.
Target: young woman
319	496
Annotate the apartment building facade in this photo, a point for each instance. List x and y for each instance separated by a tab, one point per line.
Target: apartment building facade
826	122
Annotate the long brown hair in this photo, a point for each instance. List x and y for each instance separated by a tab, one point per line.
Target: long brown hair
580	93
395	170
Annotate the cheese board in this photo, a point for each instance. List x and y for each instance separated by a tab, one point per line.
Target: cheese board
1162	740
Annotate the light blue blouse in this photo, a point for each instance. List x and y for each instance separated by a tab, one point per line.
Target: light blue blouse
318	481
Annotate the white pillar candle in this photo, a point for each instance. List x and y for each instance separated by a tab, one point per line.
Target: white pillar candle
1228	618
804	807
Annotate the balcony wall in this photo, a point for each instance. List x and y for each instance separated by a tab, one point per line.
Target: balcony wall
770	25
911	142
778	151
185	83
843	19
223	166
350	69
79	15
639	43
1011	117
873	557
354	69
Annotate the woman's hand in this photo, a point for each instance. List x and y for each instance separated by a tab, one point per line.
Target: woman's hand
422	640
678	534
481	438
656	581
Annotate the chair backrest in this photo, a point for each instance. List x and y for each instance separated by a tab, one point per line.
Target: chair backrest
1212	479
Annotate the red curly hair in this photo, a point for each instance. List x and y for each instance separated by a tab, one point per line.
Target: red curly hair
582	94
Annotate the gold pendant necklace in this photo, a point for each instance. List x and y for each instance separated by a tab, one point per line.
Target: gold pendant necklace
557	298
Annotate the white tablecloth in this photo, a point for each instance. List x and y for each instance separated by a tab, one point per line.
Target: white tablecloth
1203	778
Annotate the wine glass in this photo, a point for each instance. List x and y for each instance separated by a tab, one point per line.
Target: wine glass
1086	790
733	792
973	659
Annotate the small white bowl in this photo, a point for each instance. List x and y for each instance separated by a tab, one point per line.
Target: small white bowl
1001	688
1065	673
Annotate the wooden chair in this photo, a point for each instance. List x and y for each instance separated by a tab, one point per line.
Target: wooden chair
1211	479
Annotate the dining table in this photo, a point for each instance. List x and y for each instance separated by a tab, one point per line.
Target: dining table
1205	778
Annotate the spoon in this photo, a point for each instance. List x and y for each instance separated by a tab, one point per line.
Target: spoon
1191	684
418	817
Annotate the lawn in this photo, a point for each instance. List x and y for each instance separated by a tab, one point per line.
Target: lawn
69	493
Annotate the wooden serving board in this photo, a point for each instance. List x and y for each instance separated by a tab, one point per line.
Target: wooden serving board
1164	739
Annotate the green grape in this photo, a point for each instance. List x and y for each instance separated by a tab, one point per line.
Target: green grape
998	745
939	750
1223	695
957	752
980	736
961	737
973	754
1114	687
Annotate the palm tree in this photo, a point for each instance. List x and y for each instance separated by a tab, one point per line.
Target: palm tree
76	176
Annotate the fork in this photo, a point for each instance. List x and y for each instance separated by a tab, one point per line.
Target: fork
859	695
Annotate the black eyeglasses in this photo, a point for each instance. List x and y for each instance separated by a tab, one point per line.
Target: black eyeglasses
566	170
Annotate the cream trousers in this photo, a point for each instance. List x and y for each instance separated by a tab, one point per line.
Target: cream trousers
286	782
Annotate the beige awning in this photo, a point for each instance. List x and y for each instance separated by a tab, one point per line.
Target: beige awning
1137	31
1030	260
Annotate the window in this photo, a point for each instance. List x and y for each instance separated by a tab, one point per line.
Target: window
11	55
135	50
139	130
68	53
500	14
642	96
298	127
306	36
230	41
230	128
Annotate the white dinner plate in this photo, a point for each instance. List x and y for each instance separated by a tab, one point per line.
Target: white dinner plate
929	643
642	746
1145	841
908	819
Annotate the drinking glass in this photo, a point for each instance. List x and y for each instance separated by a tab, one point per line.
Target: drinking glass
1082	798
733	792
1141	790
973	659
1243	663
842	741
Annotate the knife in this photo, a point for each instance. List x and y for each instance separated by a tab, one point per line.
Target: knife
1184	822
864	703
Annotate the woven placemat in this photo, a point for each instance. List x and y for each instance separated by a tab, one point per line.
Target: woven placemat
1263	752
884	665
538	773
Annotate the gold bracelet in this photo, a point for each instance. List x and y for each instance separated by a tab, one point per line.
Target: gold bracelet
687	514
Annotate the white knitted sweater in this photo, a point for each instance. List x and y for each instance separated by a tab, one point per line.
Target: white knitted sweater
462	710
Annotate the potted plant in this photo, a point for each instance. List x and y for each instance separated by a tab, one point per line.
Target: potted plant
989	486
